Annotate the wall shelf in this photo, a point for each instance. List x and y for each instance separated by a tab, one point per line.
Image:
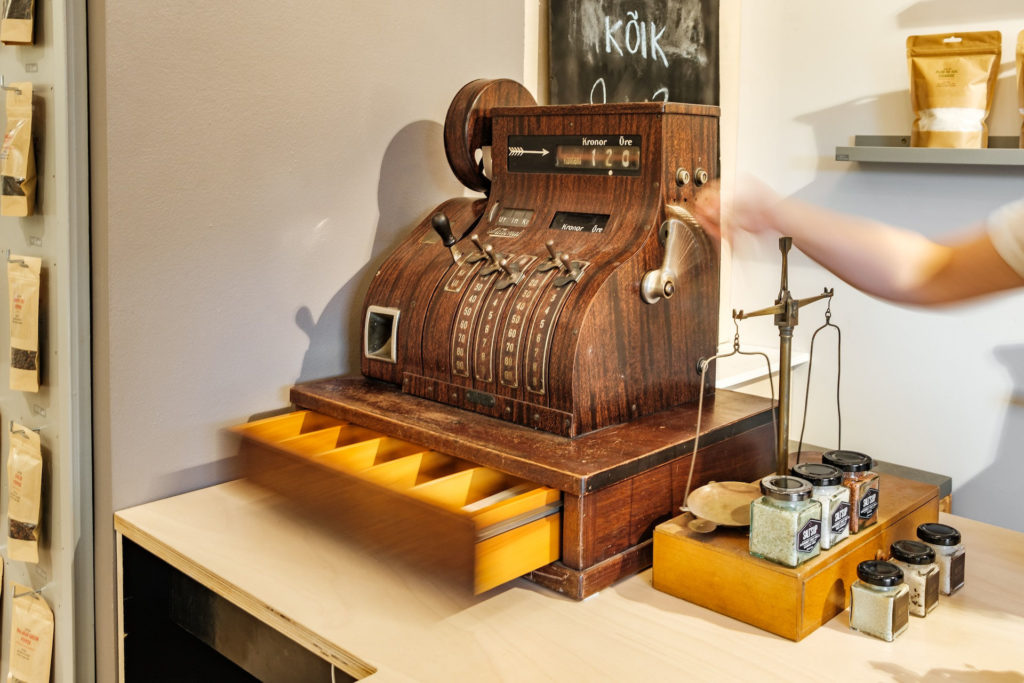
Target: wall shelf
1003	150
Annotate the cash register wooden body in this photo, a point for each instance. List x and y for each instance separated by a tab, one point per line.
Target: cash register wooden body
550	330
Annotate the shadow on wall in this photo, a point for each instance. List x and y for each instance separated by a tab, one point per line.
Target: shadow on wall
994	489
884	114
945	12
414	177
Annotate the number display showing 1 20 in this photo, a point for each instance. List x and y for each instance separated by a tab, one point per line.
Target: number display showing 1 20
577	156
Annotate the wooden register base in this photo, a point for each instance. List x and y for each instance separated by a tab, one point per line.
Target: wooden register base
617	483
716	571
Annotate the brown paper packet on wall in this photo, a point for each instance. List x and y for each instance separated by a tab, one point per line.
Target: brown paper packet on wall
23	287
952	81
17	156
1020	82
24	494
31	637
18	22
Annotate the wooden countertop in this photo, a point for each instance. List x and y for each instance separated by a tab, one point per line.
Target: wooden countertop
371	618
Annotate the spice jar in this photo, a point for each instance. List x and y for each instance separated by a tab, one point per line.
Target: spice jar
879	600
785	523
950	555
863	485
828	489
920	573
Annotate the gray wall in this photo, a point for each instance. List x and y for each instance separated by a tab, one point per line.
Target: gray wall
251	163
936	389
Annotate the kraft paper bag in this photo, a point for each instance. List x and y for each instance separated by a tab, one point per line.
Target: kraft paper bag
952	80
24	494
16	27
23	288
31	637
17	156
1020	82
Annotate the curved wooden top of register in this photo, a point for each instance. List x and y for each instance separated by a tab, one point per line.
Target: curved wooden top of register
586	463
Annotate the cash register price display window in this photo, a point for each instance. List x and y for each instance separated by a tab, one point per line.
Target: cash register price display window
612	154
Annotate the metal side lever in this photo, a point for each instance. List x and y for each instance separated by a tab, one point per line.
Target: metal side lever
444	230
673	235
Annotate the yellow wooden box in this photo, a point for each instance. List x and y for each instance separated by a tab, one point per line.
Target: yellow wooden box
716	570
478	525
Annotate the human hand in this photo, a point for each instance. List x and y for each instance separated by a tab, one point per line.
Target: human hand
751	208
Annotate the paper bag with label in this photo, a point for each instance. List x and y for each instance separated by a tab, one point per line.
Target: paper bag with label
952	80
1020	82
31	637
17	24
23	289
24	493
17	157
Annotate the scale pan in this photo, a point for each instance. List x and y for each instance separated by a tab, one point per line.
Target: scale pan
725	503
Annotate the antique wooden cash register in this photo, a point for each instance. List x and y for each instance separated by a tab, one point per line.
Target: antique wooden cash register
529	355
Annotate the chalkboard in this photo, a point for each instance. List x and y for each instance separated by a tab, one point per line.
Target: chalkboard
633	51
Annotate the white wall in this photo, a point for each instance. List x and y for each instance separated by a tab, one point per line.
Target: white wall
252	163
932	389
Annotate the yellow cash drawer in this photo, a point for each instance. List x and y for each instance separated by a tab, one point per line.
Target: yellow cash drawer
476	524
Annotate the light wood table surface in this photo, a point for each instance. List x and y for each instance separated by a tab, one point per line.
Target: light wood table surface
371	618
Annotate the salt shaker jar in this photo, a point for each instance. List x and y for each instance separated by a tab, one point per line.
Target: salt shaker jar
879	600
920	573
950	554
827	488
785	523
863	485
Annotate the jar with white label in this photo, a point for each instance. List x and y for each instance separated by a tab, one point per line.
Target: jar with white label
827	488
879	600
950	554
863	485
785	523
920	573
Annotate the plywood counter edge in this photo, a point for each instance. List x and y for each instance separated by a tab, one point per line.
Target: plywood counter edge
302	635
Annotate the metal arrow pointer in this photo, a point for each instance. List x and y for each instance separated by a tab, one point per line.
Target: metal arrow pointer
519	151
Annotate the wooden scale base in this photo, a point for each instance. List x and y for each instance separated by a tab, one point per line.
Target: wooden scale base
716	571
615	484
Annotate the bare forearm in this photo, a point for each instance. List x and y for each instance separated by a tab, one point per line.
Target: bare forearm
882	260
879	259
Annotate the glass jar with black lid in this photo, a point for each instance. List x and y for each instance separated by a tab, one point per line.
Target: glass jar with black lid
863	485
879	600
785	523
827	488
950	554
920	573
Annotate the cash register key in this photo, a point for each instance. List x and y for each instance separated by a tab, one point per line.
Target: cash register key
551	249
572	271
479	254
510	268
552	262
513	274
495	259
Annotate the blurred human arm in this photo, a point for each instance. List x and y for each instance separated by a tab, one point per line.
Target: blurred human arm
879	259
